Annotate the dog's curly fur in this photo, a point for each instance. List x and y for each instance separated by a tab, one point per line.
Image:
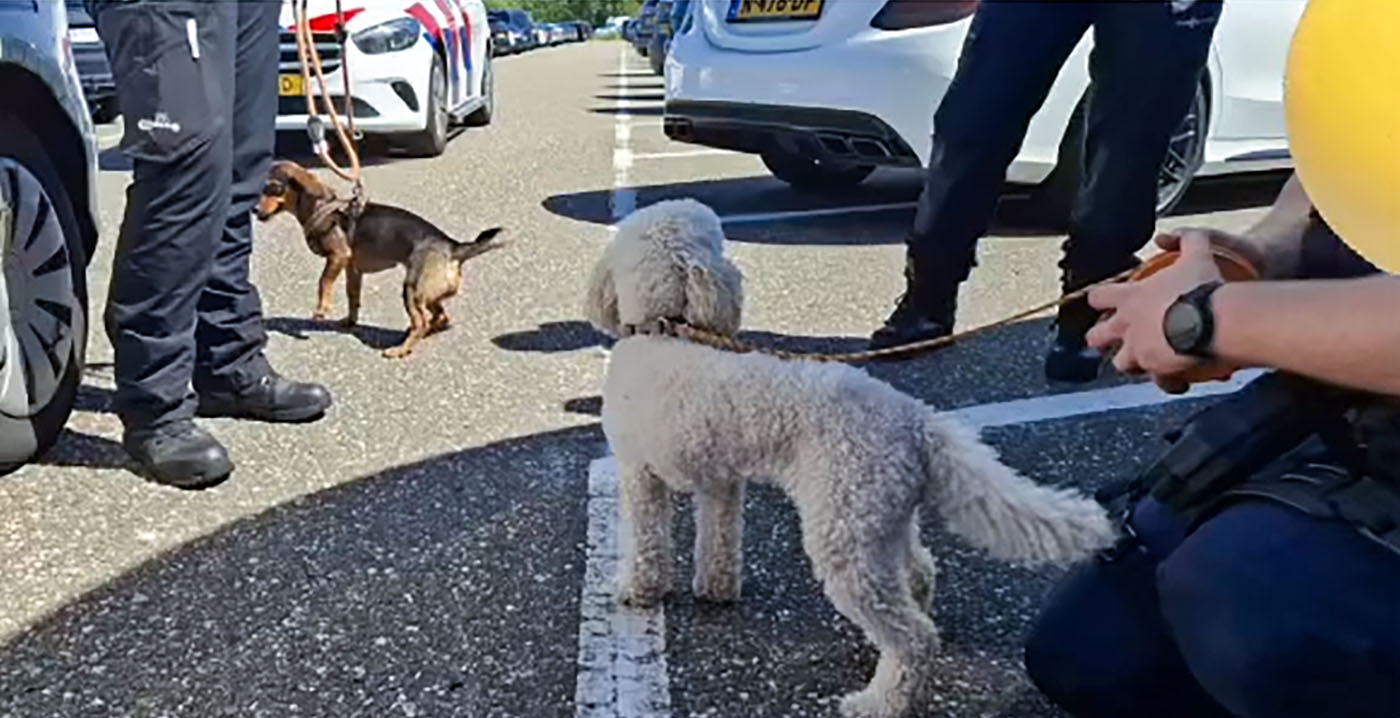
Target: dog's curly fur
858	458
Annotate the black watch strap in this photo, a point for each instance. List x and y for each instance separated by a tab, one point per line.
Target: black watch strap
1190	322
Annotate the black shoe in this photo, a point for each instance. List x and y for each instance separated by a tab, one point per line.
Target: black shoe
271	398
1071	359
923	312
179	454
910	323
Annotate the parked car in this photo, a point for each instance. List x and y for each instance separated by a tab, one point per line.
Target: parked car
414	71
48	228
503	41
581	30
542	36
93	71
825	92
644	26
612	27
670	15
522	29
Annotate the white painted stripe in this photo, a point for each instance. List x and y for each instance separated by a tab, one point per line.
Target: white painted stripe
621	650
685	153
822	212
1097	401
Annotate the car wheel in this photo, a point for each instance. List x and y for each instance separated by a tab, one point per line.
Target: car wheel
43	299
656	57
431	141
1053	200
806	173
483	115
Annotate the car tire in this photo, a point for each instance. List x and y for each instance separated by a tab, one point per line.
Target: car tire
805	173
656	57
431	141
45	281
482	116
1053	200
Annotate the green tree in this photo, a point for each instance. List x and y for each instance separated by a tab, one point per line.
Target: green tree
594	11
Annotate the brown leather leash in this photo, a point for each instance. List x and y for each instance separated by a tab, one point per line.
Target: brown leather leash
681	330
310	59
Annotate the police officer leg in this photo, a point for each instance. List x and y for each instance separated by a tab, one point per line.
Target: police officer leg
1010	59
1282	614
1145	67
166	59
1099	647
232	374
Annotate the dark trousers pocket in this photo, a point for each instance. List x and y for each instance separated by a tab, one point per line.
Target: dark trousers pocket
165	59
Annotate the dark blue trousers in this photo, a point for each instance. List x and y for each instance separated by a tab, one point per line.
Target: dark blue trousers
1261	612
1145	67
196	82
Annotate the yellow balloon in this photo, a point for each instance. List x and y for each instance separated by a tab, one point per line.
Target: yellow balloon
1342	101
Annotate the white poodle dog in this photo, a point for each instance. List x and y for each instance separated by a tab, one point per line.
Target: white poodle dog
858	458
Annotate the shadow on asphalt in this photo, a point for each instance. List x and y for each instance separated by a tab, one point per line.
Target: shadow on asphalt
636	97
299	328
653	111
86	451
563	336
1016	214
443	587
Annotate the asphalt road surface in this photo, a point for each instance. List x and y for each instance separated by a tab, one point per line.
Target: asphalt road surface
422	551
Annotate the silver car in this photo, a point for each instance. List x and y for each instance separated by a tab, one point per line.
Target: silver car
48	227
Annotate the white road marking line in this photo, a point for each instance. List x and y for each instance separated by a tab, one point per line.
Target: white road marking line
621	651
1096	401
758	217
685	153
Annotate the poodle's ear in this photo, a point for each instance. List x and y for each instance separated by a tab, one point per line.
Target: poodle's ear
600	304
714	297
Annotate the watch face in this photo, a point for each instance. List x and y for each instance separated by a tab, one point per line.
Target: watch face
1183	326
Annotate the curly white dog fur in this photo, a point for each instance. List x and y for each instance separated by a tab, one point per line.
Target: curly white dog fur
857	457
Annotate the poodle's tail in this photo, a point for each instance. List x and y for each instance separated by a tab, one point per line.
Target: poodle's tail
995	509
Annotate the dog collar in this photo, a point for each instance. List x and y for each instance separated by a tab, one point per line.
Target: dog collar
662	327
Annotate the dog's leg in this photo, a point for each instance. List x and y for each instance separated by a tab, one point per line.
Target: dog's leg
871	588
922	569
418	325
440	321
354	283
719	542
645	577
334	265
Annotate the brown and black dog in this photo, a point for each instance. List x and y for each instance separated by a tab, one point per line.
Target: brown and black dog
379	239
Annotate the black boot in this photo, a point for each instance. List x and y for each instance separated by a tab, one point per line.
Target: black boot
1071	359
926	310
179	454
271	398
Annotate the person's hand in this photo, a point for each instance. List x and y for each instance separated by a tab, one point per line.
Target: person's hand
1134	326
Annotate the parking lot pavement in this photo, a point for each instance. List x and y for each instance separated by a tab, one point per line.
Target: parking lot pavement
422	551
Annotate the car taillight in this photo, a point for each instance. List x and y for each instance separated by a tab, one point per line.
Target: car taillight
906	14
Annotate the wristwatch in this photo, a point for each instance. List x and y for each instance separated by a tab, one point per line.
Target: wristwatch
1189	323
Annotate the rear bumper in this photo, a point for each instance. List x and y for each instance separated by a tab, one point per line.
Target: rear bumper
832	135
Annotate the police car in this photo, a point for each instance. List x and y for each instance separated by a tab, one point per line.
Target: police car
416	68
48	229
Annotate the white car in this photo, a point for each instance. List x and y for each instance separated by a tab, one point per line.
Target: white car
48	228
825	96
416	67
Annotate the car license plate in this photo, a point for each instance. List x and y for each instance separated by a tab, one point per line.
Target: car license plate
83	36
772	10
290	85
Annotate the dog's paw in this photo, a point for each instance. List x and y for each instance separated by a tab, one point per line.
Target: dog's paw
348	322
868	704
397	352
716	589
320	314
639	595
